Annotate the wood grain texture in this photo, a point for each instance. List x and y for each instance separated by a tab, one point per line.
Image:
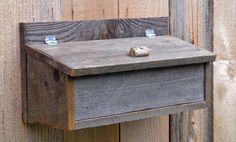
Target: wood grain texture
47	95
180	127
143	8
35	33
131	116
196	28
99	103
78	58
11	13
95	9
99	134
67	12
119	93
70	11
138	8
150	130
224	71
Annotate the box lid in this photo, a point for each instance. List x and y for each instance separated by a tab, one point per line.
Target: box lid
108	56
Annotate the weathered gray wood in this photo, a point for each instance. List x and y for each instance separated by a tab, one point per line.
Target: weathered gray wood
47	95
93	30
118	93
208	44
132	116
178	122
106	56
74	101
180	127
209	124
23	57
54	105
177	29
50	103
177	18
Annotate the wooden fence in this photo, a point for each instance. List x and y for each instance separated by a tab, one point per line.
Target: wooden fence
190	20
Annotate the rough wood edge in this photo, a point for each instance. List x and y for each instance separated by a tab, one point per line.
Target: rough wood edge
70	104
180	130
63	122
209	112
208	83
117	68
177	29
37	54
209	45
126	117
23	75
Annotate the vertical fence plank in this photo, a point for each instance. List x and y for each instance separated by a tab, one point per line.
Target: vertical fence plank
191	20
143	8
11	14
149	130
95	9
225	70
100	134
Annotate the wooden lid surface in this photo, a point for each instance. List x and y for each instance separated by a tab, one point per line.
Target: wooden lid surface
108	56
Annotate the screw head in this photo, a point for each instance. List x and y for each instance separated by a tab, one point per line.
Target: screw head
150	33
51	40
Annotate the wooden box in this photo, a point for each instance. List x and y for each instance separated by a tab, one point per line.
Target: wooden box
88	80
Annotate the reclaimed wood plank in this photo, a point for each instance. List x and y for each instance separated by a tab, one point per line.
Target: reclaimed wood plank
142	9
93	30
78	58
119	93
180	130
132	116
47	95
193	21
102	107
152	130
23	61
11	100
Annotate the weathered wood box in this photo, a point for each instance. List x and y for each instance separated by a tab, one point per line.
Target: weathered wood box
87	82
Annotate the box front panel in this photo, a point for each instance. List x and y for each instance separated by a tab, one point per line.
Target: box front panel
118	93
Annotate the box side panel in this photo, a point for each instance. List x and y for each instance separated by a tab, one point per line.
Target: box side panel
46	95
